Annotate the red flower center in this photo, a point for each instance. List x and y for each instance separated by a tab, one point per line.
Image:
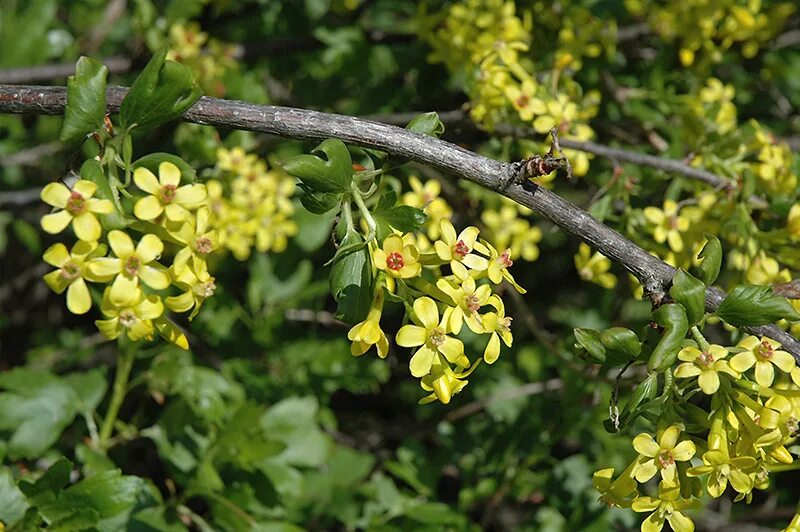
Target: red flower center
765	350
76	203
168	193
70	271
461	249
472	303
505	259
131	266
395	261
523	101
705	358
665	459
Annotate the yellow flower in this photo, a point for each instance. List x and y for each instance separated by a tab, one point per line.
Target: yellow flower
235	160
721	468
398	259
616	493
706	364
165	194
368	332
661	456
72	271
499	263
667	506
426	197
457	250
443	381
130	265
765	271
668	224
593	267
523	97
199	242
763	354
793	222
468	298
197	286
499	325
78	207
432	337
171	333
509	230
134	316
187	40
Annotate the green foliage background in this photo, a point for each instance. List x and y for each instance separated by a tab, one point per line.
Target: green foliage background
269	423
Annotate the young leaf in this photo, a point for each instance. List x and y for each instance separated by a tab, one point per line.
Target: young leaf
402	217
621	340
350	281
589	340
755	305
334	174
690	292
162	92
427	124
86	100
711	256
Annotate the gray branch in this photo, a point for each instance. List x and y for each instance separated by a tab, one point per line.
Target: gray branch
116	65
654	274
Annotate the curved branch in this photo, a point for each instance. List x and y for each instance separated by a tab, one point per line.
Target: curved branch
654	274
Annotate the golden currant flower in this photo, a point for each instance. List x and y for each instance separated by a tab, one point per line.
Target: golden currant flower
398	259
457	250
134	316
165	194
426	197
234	160
763	354
499	263
432	337
130	265
72	272
197	287
499	325
593	267
78	207
668	506
668	224
367	333
199	241
661	456
793	222
443	382
469	298
765	271
721	468
615	493
705	365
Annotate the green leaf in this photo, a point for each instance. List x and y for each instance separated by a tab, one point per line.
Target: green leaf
152	160
427	124
589	340
318	203
401	217
90	387
86	100
755	305
711	256
294	422
36	407
162	92
690	292
52	481
621	340
12	501
350	280
333	174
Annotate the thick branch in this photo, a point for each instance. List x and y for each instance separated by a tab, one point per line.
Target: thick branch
654	274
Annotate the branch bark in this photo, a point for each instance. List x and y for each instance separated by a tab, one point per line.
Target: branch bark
654	274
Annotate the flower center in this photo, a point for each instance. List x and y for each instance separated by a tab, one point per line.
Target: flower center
672	222
437	336
665	459
461	249
204	245
764	350
128	318
705	358
472	303
395	261
131	266
523	101
76	203
168	193
70	271
505	259
505	323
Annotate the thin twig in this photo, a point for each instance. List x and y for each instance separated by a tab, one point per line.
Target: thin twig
654	274
115	65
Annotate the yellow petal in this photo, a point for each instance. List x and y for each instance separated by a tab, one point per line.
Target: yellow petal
55	194
783	360
684	450
765	373
56	281
104	267
56	222
191	195
176	213
124	290
411	336
741	362
150	308
108	328
86	226
492	352
171	333
168	174
670	437
687	369
99	206
148	208
180	303
154	277
85	188
121	244
149	248
453	350
709	382
420	364
146	181
56	255
645	445
78	299
427	313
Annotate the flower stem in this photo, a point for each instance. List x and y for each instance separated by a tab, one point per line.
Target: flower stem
120	389
699	338
362	207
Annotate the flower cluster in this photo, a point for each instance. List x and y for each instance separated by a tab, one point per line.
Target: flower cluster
250	205
439	311
753	417
208	58
139	286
